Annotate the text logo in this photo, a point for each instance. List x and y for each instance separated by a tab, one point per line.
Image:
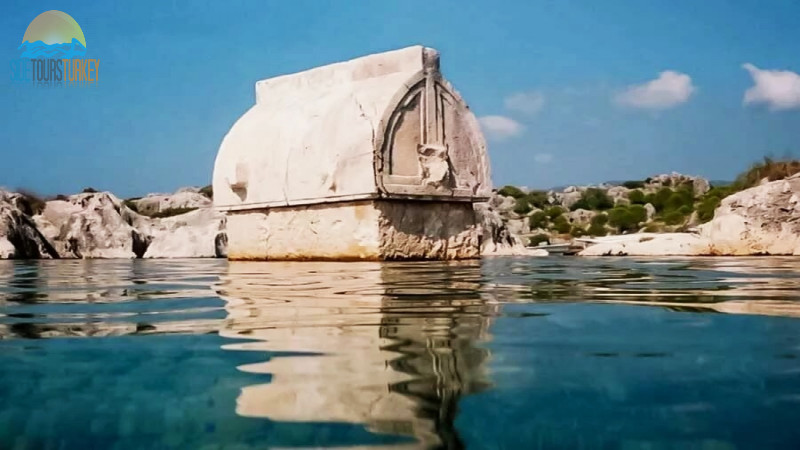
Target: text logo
52	54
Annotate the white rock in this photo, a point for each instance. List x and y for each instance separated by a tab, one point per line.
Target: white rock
184	198
93	225
759	220
191	235
7	249
651	211
19	237
649	244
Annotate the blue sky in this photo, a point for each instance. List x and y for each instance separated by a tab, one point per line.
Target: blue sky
568	91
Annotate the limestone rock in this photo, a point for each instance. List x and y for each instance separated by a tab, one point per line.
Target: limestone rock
649	244
496	237
184	198
19	237
764	219
651	211
94	225
581	216
191	235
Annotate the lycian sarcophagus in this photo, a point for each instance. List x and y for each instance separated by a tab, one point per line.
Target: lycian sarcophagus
374	158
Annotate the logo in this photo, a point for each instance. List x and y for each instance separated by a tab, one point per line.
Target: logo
52	54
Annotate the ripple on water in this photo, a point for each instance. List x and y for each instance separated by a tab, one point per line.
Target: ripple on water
425	350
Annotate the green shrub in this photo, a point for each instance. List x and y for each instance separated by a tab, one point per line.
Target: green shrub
577	231
30	203
673	218
537	220
131	204
208	191
554	211
597	229
537	199
522	206
627	218
594	199
636	197
633	184
538	239
511	191
561	225
171	212
678	199
653	228
686	210
600	219
89	190
638	212
660	198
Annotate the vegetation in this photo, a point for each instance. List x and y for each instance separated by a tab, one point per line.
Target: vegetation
170	212
511	191
538	239
89	190
634	184
577	231
208	191
561	225
711	200
554	212
768	168
598	225
131	204
537	220
637	197
522	206
594	199
30	203
673	218
627	218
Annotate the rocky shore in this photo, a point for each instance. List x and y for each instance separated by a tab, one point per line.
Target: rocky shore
665	215
100	225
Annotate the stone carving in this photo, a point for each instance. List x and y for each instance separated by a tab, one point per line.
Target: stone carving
320	166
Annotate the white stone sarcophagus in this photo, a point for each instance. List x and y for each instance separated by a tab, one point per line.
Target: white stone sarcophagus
370	159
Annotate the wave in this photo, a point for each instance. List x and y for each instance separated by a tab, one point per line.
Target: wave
39	49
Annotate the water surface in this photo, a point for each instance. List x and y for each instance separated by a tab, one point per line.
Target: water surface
503	353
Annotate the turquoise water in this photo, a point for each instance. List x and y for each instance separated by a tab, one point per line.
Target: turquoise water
580	353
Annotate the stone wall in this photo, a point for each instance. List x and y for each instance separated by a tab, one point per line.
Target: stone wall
362	230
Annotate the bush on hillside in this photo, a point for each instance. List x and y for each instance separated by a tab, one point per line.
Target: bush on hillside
627	218
511	191
594	199
768	168
538	239
633	184
208	191
537	220
30	203
636	197
522	206
554	211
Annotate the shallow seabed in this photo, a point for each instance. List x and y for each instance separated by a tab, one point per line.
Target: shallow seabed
501	353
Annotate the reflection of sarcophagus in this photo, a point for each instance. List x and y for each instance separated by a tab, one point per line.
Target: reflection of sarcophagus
374	158
384	345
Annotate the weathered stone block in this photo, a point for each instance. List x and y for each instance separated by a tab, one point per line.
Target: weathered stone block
374	158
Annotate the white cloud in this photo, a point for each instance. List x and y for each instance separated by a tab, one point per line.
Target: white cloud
670	89
525	102
779	89
500	127
543	158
